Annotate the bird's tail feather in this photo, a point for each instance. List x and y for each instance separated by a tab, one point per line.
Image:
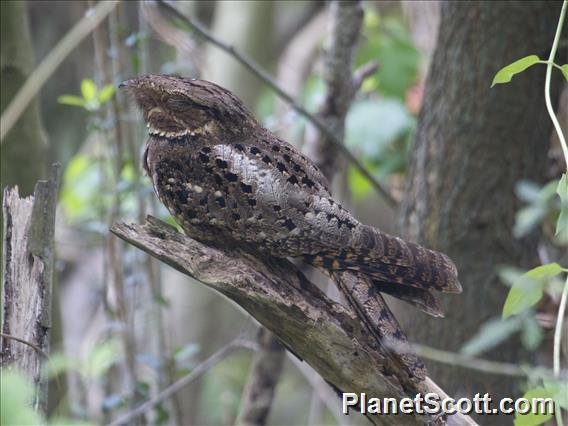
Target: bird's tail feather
393	260
404	270
424	300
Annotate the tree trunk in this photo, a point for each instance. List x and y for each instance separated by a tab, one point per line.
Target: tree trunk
246	25
473	144
27	281
24	148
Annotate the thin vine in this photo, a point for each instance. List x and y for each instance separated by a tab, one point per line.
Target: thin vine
552	269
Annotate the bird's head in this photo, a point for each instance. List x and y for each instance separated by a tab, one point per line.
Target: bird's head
174	107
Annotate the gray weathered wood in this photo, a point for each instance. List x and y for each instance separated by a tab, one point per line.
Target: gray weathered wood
264	374
325	334
29	225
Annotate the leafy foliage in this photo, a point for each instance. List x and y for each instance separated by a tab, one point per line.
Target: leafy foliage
562	223
92	98
15	404
506	74
527	289
531	419
541	205
388	43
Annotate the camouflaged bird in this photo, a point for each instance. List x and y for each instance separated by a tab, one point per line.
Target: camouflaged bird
229	181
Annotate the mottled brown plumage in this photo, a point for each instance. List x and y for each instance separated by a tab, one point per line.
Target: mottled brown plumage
229	181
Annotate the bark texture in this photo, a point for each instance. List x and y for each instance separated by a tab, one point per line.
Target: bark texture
344	29
473	144
29	225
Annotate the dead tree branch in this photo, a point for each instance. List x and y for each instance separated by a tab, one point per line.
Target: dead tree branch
323	333
261	383
29	225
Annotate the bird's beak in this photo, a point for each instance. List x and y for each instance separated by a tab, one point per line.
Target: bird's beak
127	83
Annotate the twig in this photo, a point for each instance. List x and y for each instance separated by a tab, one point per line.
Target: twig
50	63
487	366
25	342
362	73
175	387
562	307
269	80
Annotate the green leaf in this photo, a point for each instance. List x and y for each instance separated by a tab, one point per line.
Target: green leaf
545	271
15	400
531	333
88	89
559	391
492	333
371	126
71	100
504	75
562	191
528	218
101	358
59	363
564	69
81	188
106	93
531	419
524	293
358	184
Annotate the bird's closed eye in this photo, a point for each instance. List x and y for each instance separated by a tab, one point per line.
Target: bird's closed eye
178	104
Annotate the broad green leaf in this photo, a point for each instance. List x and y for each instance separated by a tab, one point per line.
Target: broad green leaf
388	42
541	202
88	89
531	419
545	271
101	358
59	363
562	191
527	191
358	184
491	334
505	74
15	400
71	100
531	333
371	125
526	292
106	93
528	218
559	391
509	275
81	187
564	69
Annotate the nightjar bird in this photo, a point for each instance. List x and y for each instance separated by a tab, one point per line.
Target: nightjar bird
229	181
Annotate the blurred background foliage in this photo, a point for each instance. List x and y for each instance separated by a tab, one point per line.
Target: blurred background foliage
129	326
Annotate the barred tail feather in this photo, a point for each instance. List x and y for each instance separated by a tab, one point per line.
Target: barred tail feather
424	300
390	259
